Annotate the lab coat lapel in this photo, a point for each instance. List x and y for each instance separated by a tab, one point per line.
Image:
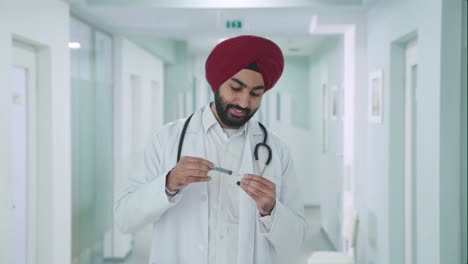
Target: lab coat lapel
247	211
247	207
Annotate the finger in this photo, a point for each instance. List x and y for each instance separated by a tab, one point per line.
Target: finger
258	183
197	166
255	191
257	187
260	179
205	162
252	195
196	173
192	179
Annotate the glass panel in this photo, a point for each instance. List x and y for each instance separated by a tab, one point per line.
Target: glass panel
103	134
92	139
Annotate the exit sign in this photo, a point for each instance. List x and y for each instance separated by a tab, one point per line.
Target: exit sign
236	24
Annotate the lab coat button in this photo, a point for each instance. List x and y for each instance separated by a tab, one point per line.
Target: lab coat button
203	198
201	247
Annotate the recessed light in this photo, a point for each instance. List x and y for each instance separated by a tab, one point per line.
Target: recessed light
74	45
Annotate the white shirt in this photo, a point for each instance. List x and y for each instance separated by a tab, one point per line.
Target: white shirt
224	147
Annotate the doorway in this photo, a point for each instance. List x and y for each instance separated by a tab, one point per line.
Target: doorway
23	152
411	73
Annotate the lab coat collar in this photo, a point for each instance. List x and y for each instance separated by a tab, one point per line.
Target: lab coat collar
209	120
206	120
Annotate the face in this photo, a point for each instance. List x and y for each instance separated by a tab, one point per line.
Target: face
237	100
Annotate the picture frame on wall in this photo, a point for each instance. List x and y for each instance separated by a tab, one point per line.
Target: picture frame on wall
375	96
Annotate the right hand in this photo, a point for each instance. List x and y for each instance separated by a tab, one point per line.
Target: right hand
188	170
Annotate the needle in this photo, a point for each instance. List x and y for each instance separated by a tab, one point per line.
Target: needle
223	170
228	172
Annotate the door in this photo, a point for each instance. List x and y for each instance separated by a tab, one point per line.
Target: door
410	151
156	107
23	138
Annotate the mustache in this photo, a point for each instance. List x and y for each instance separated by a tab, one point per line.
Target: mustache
245	110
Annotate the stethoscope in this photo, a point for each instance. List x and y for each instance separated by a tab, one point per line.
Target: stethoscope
261	144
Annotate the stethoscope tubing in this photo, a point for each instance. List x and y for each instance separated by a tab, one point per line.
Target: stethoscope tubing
257	146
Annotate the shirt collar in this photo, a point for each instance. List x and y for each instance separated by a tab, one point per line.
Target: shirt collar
209	121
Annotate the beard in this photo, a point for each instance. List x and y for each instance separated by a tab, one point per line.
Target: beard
229	120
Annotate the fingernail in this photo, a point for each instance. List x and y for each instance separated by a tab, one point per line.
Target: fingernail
238	183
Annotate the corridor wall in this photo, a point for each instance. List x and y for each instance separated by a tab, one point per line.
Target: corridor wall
44	26
437	206
295	82
136	104
326	133
464	135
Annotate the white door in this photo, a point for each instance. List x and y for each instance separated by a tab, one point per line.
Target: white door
410	150
23	134
137	110
156	106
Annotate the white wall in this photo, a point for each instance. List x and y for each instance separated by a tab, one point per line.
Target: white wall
463	135
46	27
326	67
295	82
436	234
203	94
132	60
179	82
297	140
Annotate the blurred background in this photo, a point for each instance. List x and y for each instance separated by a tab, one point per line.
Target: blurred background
372	104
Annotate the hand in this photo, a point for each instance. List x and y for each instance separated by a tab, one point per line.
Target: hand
188	170
261	190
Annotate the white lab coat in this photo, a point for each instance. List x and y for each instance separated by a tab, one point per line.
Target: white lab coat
180	233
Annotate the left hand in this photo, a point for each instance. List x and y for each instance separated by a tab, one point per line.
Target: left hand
261	190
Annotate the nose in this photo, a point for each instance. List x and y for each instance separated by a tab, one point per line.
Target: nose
243	100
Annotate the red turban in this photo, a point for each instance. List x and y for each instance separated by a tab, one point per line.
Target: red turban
234	54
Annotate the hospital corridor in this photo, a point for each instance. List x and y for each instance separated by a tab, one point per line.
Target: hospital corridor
361	106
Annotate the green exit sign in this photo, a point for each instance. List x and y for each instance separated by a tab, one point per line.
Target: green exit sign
236	24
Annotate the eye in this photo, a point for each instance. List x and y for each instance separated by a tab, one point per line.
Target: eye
255	94
236	88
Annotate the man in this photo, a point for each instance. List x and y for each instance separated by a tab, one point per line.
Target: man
204	216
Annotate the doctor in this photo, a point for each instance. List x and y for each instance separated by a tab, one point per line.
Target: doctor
200	215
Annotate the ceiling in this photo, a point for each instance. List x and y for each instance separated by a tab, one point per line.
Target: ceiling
201	24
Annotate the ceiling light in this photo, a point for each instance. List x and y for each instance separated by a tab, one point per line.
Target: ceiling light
74	45
313	24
